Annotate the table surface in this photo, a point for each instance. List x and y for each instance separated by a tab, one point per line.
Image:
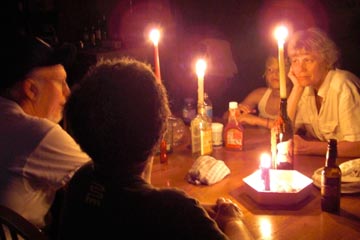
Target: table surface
302	221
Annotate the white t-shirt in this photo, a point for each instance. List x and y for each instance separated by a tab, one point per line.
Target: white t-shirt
37	157
339	115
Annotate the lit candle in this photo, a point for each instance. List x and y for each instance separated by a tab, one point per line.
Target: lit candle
281	34
265	164
155	36
200	72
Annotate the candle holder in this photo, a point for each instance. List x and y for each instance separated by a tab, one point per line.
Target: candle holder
287	187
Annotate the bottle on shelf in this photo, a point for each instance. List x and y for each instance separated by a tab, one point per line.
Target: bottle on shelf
282	140
189	110
201	133
86	37
331	180
92	36
234	131
98	37
103	28
208	106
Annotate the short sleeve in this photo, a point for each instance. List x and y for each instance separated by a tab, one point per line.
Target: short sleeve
55	159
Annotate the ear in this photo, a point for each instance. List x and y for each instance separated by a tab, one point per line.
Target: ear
31	88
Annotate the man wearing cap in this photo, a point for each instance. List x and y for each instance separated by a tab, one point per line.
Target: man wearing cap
37	157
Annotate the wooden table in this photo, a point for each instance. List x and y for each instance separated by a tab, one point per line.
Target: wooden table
305	221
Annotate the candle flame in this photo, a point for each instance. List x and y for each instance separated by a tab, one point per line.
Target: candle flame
155	36
200	67
265	160
281	33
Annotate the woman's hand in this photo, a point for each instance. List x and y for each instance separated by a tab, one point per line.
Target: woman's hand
292	77
244	108
249	119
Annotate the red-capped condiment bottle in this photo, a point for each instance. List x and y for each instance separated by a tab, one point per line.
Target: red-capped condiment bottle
163	152
234	131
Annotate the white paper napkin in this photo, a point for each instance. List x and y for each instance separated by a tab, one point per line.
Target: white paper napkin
207	170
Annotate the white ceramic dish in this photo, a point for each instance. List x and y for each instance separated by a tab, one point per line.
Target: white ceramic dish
287	187
350	170
346	186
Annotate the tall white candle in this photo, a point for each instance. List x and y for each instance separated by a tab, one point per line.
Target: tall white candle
281	34
155	36
200	72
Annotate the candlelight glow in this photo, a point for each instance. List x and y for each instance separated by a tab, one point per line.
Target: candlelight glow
265	160
281	33
155	36
265	228
200	68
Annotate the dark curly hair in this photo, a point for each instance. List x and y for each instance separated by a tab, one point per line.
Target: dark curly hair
117	114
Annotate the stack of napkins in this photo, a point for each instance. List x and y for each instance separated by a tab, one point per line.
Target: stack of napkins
350	179
207	170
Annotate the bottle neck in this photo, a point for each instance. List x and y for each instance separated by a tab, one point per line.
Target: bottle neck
283	106
232	115
201	109
331	153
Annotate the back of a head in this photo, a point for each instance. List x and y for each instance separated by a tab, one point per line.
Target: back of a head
117	114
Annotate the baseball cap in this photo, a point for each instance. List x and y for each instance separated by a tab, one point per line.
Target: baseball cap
24	53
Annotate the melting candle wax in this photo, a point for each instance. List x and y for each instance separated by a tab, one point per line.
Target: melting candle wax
265	163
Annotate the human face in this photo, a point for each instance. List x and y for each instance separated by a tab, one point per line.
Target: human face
52	91
308	68
272	74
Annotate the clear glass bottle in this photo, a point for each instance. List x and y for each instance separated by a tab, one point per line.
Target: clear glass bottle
201	133
234	131
282	140
331	180
189	110
166	144
208	106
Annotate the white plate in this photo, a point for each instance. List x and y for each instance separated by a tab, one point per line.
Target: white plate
353	187
350	171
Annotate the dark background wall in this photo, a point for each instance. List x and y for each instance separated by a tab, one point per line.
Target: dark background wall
246	24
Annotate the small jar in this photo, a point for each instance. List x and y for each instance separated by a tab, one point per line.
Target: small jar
189	110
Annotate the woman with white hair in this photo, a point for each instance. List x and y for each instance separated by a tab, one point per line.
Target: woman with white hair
325	101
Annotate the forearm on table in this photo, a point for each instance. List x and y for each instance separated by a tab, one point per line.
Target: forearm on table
313	148
348	149
344	148
264	122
